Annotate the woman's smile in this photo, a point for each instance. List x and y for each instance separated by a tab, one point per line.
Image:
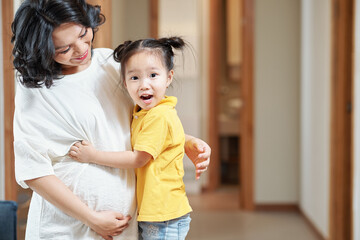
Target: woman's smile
83	56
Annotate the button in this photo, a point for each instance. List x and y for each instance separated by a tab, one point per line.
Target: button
136	117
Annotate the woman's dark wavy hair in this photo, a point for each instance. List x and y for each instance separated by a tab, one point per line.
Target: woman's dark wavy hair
163	47
32	30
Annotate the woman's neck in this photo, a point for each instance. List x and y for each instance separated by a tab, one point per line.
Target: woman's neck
67	70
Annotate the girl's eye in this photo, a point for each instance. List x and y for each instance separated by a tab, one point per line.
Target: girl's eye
134	78
84	34
153	75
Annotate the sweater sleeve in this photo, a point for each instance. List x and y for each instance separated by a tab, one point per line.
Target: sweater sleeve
39	135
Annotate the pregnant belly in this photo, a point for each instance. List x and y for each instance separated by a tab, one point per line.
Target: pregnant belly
101	188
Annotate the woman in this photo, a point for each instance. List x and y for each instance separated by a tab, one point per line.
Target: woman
69	92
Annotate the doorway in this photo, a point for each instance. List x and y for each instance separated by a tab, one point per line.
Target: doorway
231	111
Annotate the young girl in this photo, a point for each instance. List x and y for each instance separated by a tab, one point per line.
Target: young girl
157	138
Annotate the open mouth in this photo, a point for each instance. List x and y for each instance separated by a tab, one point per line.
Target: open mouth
146	97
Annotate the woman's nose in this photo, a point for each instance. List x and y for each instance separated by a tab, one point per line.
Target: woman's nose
80	47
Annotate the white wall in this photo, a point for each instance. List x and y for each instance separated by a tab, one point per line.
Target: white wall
277	80
315	111
356	170
2	164
130	20
203	66
182	18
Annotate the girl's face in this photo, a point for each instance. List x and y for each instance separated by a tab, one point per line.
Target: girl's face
72	47
146	79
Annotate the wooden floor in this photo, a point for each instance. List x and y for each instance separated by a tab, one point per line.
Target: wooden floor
216	216
225	198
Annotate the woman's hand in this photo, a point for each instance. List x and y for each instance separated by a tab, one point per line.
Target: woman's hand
108	223
83	152
199	153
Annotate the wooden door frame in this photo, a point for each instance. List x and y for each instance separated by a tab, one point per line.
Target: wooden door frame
9	105
103	38
341	175
154	18
247	95
247	111
214	63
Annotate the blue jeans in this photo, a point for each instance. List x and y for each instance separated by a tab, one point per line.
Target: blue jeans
175	229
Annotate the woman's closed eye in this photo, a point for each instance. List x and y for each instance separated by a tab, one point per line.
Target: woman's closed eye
65	51
68	48
84	34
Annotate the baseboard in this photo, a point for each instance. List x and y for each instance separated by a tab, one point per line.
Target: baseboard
311	225
277	207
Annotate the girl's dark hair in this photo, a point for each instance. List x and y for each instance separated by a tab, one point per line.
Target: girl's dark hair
32	29
163	47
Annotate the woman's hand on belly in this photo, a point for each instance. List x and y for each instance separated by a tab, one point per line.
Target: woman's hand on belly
105	223
109	223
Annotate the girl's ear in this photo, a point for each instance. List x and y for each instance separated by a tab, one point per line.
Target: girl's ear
170	78
123	82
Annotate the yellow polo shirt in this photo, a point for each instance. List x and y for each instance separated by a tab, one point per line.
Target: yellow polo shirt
160	188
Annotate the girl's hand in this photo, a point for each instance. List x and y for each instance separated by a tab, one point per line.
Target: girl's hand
199	152
108	223
83	152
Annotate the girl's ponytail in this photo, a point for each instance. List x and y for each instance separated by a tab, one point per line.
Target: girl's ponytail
119	52
175	42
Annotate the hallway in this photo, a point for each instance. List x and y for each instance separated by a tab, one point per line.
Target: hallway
216	217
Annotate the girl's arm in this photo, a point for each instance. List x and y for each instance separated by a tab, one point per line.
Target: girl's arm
197	150
106	223
85	152
199	153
